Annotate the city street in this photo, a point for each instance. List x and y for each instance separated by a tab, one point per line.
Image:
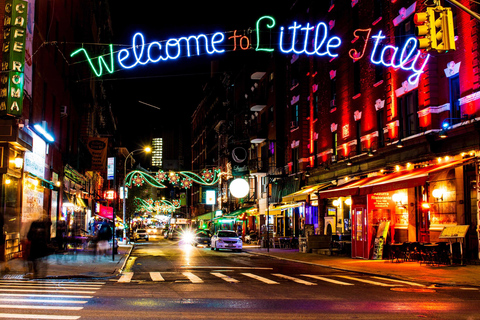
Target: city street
165	280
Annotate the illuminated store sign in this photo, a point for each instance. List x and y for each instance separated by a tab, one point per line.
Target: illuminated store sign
13	58
312	40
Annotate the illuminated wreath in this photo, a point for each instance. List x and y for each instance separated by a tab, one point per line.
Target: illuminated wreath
207	175
186	183
161	175
138	180
174	178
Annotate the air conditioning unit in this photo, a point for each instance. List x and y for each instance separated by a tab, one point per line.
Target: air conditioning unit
332	103
63	111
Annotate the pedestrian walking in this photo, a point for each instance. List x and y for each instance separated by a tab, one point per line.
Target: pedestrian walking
37	248
104	235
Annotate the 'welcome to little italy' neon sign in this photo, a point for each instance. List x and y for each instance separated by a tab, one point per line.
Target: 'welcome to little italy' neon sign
312	40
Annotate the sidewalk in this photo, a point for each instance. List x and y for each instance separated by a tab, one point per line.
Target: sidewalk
67	266
468	275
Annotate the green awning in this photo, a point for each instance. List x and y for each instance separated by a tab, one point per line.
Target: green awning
206	216
238	212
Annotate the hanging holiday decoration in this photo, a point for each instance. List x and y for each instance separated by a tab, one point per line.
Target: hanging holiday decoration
183	179
159	206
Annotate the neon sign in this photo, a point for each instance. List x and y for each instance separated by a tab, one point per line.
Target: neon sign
296	38
141	53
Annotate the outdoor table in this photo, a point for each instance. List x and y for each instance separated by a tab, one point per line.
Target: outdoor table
395	251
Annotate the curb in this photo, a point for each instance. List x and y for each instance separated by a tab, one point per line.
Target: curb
127	256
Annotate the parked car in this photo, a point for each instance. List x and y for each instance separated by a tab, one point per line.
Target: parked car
202	237
140	234
226	239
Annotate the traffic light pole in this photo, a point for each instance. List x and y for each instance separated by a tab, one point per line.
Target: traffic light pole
461	6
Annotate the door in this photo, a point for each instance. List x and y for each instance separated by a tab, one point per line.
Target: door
359	233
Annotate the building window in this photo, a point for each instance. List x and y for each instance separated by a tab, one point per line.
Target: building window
404	31
407	114
455	112
294	160
359	133
356	78
315	106
333	93
378	73
377	9
380	125
334	144
295	116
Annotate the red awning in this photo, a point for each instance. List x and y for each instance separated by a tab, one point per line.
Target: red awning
407	178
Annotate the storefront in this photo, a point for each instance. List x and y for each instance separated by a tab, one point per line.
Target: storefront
415	203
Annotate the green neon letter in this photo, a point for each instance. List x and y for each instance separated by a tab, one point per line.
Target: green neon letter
269	26
100	59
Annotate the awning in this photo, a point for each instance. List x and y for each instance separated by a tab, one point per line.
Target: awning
399	180
242	213
81	203
277	210
302	195
206	216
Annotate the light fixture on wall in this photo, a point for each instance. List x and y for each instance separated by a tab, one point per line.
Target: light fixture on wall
438	194
18	162
348	201
336	203
400	199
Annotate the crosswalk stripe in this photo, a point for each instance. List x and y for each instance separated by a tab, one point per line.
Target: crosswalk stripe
126	277
36	316
224	277
328	280
156	276
307	283
11	306
369	281
254	276
45	295
401	281
47	287
193	278
37	290
81	284
44	300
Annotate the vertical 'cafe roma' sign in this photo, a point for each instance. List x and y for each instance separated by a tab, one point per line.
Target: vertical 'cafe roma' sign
13	58
296	38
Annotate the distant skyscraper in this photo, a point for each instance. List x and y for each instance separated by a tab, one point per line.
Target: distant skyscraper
157	152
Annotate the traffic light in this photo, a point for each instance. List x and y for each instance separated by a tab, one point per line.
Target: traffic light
423	30
435	29
448	34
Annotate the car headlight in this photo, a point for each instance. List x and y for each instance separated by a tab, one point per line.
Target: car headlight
220	240
188	236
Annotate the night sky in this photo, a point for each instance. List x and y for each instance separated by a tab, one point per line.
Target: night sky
175	86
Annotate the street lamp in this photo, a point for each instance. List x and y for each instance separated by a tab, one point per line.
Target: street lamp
147	150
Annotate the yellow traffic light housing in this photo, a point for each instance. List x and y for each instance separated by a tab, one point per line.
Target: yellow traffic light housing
435	29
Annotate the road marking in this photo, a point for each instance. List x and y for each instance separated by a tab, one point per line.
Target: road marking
126	277
11	306
45	295
43	300
37	316
268	281
225	277
37	290
57	287
328	280
473	289
307	283
156	276
401	281
130	263
369	281
193	278
53	282
225	267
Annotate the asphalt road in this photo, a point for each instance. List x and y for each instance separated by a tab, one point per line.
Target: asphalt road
165	280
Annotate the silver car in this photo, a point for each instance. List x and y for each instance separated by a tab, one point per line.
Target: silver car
140	234
226	239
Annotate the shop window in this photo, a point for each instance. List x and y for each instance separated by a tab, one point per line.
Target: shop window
404	31
443	198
